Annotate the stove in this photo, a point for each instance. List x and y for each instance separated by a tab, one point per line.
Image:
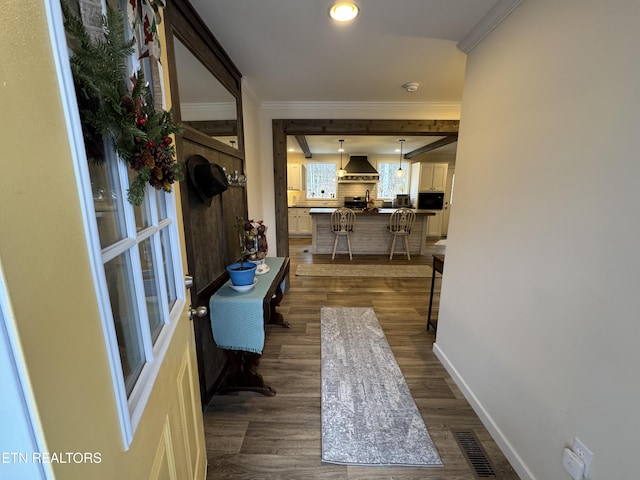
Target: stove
356	203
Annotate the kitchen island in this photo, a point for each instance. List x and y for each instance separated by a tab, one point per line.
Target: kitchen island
370	236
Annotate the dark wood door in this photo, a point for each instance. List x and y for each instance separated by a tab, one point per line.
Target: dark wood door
211	244
210	238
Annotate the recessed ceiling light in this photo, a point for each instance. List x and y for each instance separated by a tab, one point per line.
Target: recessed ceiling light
344	11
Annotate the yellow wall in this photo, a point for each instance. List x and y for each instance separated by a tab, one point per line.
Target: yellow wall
45	259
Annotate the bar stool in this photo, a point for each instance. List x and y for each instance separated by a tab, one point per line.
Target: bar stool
343	221
400	225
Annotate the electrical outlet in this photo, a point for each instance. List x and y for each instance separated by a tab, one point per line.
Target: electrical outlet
584	453
572	464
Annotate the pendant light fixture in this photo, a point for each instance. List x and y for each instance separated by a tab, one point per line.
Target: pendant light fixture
400	171
342	172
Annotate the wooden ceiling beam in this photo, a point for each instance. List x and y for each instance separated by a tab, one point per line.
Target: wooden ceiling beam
302	141
432	128
432	146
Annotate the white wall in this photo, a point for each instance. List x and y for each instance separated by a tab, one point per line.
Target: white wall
539	315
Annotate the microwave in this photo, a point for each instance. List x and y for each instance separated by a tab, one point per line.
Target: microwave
430	200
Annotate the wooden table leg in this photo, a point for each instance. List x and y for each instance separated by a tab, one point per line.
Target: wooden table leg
241	376
276	317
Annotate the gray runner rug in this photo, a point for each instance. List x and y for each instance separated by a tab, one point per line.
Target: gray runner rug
368	414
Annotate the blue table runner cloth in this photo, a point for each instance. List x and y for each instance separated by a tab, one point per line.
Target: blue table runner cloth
237	319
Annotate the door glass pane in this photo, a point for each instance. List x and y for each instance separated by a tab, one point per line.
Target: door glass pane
142	212
169	273
107	201
150	277
161	202
125	316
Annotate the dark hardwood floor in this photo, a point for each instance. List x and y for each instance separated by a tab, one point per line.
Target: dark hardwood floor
249	436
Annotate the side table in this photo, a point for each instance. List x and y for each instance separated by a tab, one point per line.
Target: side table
238	321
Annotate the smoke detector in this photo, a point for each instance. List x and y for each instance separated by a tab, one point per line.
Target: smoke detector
411	86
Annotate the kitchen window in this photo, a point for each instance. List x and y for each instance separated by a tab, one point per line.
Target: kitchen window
321	180
135	254
390	184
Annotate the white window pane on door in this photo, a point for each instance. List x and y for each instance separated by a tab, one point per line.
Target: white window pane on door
151	280
120	276
141	212
161	202
107	201
169	272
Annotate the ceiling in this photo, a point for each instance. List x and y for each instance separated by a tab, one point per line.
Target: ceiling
291	51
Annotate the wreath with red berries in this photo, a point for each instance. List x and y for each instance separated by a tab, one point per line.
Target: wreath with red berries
119	109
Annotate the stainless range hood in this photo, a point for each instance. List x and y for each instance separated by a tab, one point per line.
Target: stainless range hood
360	170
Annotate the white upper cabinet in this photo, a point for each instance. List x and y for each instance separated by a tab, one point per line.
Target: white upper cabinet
428	177
296	176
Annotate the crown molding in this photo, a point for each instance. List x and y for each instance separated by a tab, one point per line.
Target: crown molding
219	107
485	26
362	106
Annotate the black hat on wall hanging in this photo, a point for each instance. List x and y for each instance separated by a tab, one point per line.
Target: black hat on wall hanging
209	179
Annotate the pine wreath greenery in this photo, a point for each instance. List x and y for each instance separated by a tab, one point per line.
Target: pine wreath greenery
123	113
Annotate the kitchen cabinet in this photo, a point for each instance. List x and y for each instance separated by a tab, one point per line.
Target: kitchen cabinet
299	222
434	226
428	177
296	176
304	223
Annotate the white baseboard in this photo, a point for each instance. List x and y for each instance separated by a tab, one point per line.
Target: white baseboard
507	449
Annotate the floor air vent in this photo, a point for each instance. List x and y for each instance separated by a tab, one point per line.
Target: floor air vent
476	456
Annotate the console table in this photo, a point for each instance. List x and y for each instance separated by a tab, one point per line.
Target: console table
238	321
438	266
